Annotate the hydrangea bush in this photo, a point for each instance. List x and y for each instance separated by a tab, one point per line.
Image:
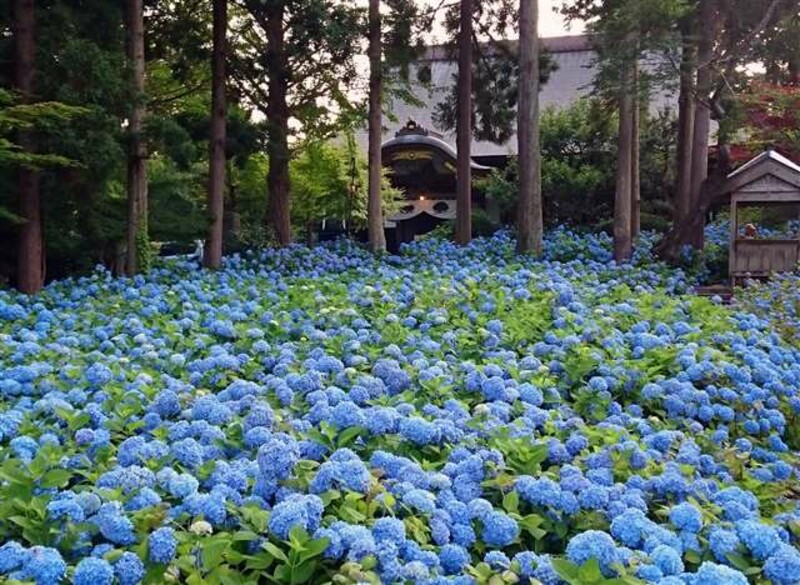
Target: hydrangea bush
448	415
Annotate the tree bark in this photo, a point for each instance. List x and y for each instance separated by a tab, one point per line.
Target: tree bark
464	127
377	238
636	182
686	109
231	224
530	224
212	256
278	210
137	235
669	248
30	253
702	120
622	202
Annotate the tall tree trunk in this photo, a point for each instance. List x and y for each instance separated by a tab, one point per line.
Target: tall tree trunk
636	180
529	215
278	210
686	109
212	256
231	225
377	238
702	120
622	201
30	253
137	236
464	127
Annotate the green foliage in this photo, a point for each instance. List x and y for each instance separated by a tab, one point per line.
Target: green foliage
330	182
589	574
37	119
176	200
649	31
578	161
34	117
321	41
144	248
482	225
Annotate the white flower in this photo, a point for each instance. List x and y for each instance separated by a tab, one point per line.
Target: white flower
201	528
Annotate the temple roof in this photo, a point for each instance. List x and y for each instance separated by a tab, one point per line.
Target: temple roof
412	135
573	57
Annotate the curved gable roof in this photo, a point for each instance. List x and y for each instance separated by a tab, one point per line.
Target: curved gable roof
412	140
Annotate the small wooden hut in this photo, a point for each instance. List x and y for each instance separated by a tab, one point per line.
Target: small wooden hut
768	180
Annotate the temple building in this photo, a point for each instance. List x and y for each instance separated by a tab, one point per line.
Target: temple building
423	161
423	165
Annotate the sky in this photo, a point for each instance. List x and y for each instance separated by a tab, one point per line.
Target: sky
551	24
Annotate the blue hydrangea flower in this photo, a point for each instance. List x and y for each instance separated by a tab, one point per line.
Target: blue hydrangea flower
667	559
593	544
129	569
389	529
304	511
43	565
760	539
453	558
712	574
687	517
12	556
114	526
497	560
499	529
277	457
93	571
162	545
783	567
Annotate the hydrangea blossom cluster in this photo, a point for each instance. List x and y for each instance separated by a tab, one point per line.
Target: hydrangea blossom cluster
432	415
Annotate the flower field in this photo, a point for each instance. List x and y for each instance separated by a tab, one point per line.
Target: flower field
444	416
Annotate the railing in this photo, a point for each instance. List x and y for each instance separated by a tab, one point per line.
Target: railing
758	257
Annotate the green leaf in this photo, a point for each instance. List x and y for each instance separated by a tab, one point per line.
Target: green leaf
590	572
259	562
298	537
738	561
56	478
244	535
302	573
349	435
213	550
511	501
275	551
23	521
314	548
693	557
565	570
531	523
257	517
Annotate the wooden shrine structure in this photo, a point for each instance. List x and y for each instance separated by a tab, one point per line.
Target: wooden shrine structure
768	180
